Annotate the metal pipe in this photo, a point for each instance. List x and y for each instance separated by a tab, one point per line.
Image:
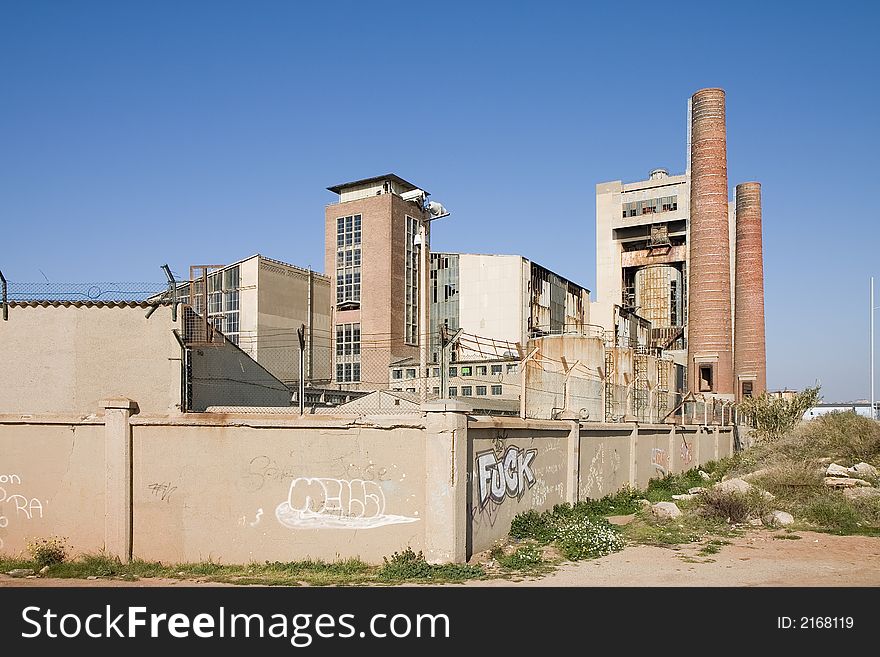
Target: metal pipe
310	323
301	334
873	407
423	309
6	304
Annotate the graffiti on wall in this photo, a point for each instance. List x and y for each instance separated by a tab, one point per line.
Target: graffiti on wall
660	460
686	453
507	475
15	505
324	503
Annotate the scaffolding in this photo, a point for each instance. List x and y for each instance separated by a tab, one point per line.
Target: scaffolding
640	385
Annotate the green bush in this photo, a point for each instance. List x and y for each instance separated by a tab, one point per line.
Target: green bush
833	512
527	557
587	538
774	417
48	551
408	565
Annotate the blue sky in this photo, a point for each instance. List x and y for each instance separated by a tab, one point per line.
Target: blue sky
134	134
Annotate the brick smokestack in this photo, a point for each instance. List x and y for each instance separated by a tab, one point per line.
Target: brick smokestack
710	340
750	356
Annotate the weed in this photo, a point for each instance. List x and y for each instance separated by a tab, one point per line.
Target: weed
48	551
527	557
732	506
408	565
832	512
587	538
662	490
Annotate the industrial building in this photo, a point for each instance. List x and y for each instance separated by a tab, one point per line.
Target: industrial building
258	304
502	298
675	252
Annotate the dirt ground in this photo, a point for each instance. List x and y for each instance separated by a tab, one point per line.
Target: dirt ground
756	559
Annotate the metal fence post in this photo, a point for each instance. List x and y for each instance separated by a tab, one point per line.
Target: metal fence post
5	303
301	334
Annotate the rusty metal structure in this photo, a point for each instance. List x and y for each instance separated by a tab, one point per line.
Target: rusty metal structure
710	339
750	358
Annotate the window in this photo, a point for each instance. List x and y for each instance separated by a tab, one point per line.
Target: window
436	390
453	371
481	370
706	378
496	369
747	389
411	275
511	367
348	260
453	391
348	353
435	371
467	391
650	206
410	389
396	374
410	373
223	310
496	390
465	370
481	390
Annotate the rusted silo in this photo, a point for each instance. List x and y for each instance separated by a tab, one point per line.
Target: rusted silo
710	340
750	356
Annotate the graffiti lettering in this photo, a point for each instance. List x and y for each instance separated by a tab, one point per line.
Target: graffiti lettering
29	508
508	476
10	479
686	455
335	504
660	460
162	491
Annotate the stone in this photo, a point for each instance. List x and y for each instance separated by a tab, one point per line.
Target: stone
757	473
44	570
755	522
778	519
861	493
684	498
621	520
845	482
92	577
704	475
665	510
644	504
835	470
20	572
696	490
864	470
734	486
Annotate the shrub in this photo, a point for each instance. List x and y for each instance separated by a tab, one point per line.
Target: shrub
773	417
587	538
408	565
733	506
832	511
527	557
844	435
534	525
48	551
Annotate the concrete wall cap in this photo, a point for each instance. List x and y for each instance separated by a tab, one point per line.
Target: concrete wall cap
119	402
447	406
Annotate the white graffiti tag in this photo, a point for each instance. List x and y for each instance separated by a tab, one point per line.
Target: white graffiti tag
509	476
323	503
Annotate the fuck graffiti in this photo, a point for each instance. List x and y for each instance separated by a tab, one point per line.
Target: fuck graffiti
507	475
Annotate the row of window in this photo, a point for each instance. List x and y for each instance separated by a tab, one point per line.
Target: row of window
348	259
466	391
464	370
651	206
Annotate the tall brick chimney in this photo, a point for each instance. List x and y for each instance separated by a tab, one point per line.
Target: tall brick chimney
749	355
710	340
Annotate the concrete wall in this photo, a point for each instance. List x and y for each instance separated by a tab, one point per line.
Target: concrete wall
224	375
241	488
254	493
52	480
513	470
493	296
64	358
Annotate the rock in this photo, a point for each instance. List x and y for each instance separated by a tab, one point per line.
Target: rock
684	498
835	470
665	510
754	475
644	504
755	522
92	577
704	475
44	570
734	486
861	493
696	490
864	470
825	461
621	520
20	572
845	482
767	495
778	519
